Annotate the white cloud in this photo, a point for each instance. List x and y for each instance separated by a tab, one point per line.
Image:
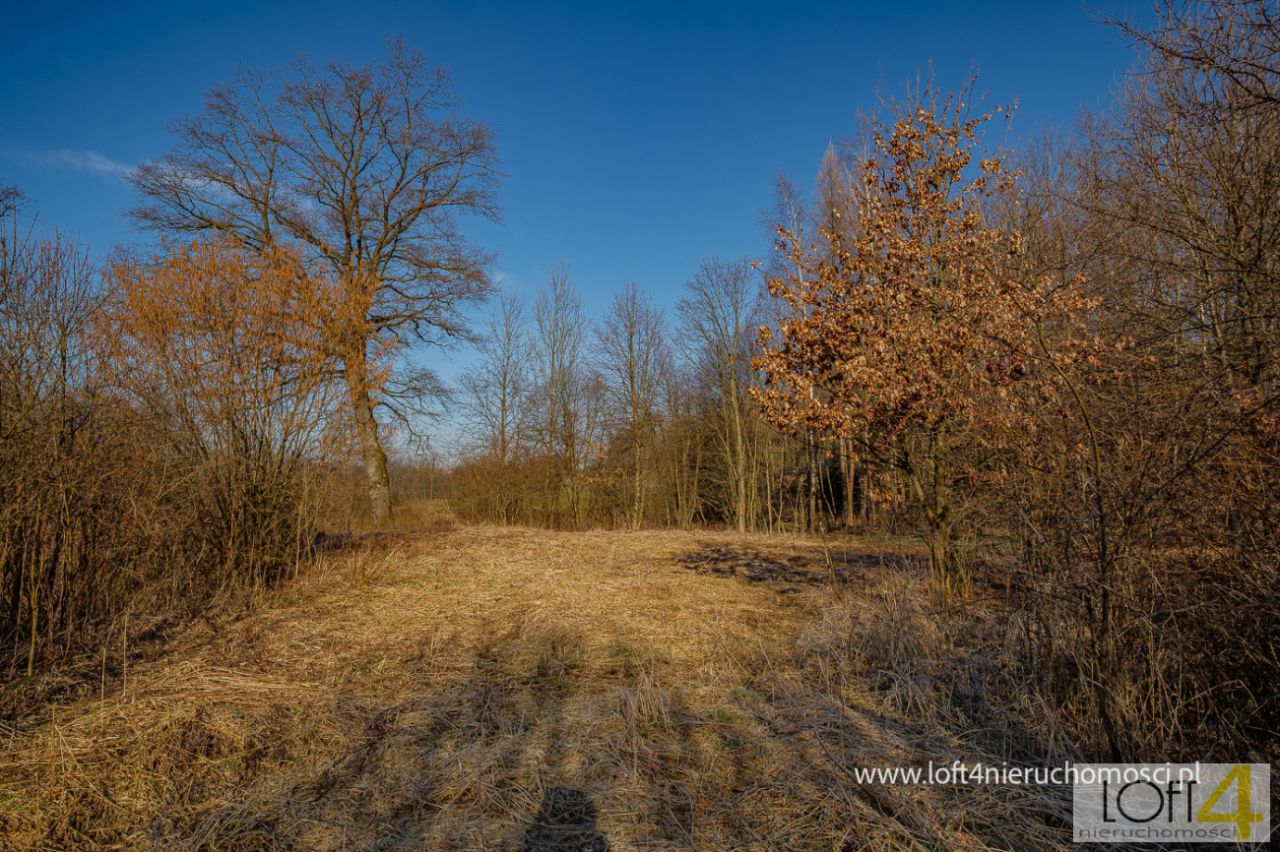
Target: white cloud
508	281
79	159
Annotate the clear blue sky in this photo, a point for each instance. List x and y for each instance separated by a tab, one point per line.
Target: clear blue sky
638	137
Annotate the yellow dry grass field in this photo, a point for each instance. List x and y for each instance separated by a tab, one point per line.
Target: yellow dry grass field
507	688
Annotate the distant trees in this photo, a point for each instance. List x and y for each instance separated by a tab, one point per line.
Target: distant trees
564	391
366	170
619	423
719	317
634	359
686	445
496	395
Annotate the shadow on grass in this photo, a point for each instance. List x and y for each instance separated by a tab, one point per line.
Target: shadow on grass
565	822
806	568
540	732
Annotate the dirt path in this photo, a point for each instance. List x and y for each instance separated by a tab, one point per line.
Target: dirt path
506	688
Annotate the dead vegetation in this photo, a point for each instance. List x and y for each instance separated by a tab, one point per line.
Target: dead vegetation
515	688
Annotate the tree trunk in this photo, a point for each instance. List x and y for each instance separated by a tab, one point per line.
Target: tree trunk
935	502
375	459
637	502
848	467
737	452
812	483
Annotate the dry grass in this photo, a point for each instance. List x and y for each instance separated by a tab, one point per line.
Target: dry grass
511	688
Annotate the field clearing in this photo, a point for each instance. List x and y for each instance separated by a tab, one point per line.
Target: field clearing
524	689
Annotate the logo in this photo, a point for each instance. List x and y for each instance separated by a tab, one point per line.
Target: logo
1171	803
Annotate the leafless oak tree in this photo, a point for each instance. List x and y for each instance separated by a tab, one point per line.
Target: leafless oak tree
368	169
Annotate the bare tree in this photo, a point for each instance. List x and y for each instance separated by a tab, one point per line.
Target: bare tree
634	358
1189	167
720	312
496	396
1234	43
47	301
10	201
367	169
683	442
560	333
497	386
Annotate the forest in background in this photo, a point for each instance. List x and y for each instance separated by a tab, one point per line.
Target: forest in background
1056	365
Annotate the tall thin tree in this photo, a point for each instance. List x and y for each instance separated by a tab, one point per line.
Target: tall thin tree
634	358
720	315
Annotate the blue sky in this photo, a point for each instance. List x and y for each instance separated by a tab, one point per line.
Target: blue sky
637	138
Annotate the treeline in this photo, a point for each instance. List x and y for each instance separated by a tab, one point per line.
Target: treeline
633	419
644	417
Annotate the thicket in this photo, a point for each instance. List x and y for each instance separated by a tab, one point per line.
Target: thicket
162	438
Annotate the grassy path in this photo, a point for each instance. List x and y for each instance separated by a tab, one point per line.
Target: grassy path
513	688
